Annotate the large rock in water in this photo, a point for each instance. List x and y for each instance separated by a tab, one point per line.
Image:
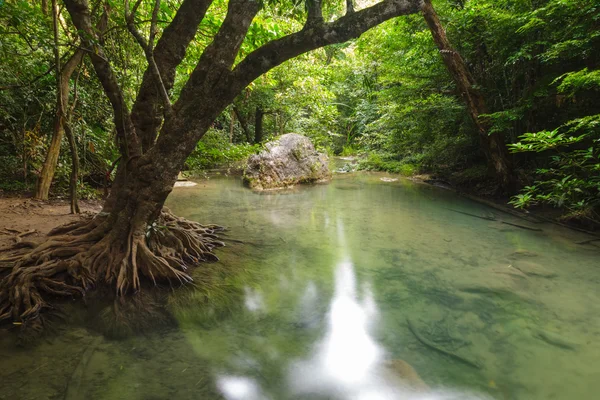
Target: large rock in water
288	160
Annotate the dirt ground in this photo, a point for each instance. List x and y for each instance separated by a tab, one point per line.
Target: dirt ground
20	215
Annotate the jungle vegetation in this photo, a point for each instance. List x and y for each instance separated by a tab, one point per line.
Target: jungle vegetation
500	96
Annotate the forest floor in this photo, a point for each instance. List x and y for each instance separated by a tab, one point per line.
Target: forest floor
33	219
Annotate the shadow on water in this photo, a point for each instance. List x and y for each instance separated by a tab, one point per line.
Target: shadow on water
360	289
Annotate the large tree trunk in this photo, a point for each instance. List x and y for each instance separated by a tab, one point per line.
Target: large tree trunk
492	144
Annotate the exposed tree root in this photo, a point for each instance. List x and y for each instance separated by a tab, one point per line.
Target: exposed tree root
90	252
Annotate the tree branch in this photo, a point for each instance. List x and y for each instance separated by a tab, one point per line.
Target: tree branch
217	59
147	47
75	90
80	15
315	12
170	50
153	23
349	6
31	82
345	28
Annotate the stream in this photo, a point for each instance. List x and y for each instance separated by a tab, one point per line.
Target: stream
356	290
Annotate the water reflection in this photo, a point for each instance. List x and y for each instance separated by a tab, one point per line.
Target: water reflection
346	359
239	388
348	363
342	270
253	299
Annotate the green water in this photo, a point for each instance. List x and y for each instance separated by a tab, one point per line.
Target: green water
319	306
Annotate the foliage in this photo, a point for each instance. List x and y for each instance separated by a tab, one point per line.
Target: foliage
385	96
572	180
28	98
215	150
377	162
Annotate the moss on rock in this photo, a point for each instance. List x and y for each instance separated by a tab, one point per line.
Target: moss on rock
286	161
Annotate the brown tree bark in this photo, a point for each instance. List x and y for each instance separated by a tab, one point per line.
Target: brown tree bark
46	176
349	6
231	125
492	144
49	167
243	123
121	246
147	111
74	178
62	121
258	125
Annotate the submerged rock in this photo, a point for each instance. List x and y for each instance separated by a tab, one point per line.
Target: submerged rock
555	339
286	161
523	253
407	374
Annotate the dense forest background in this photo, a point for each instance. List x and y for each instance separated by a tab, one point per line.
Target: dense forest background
386	97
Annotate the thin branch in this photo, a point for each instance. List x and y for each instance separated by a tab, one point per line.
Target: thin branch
26	39
148	47
80	15
315	12
55	18
135	7
349	6
129	18
75	90
62	22
138	23
153	24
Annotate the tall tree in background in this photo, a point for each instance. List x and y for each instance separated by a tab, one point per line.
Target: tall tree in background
64	74
64	112
53	152
492	144
133	239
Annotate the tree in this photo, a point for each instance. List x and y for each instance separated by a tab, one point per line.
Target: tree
243	123
258	125
62	118
62	121
492	143
51	160
134	240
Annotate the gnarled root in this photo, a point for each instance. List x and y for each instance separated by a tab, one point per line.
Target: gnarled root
100	251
